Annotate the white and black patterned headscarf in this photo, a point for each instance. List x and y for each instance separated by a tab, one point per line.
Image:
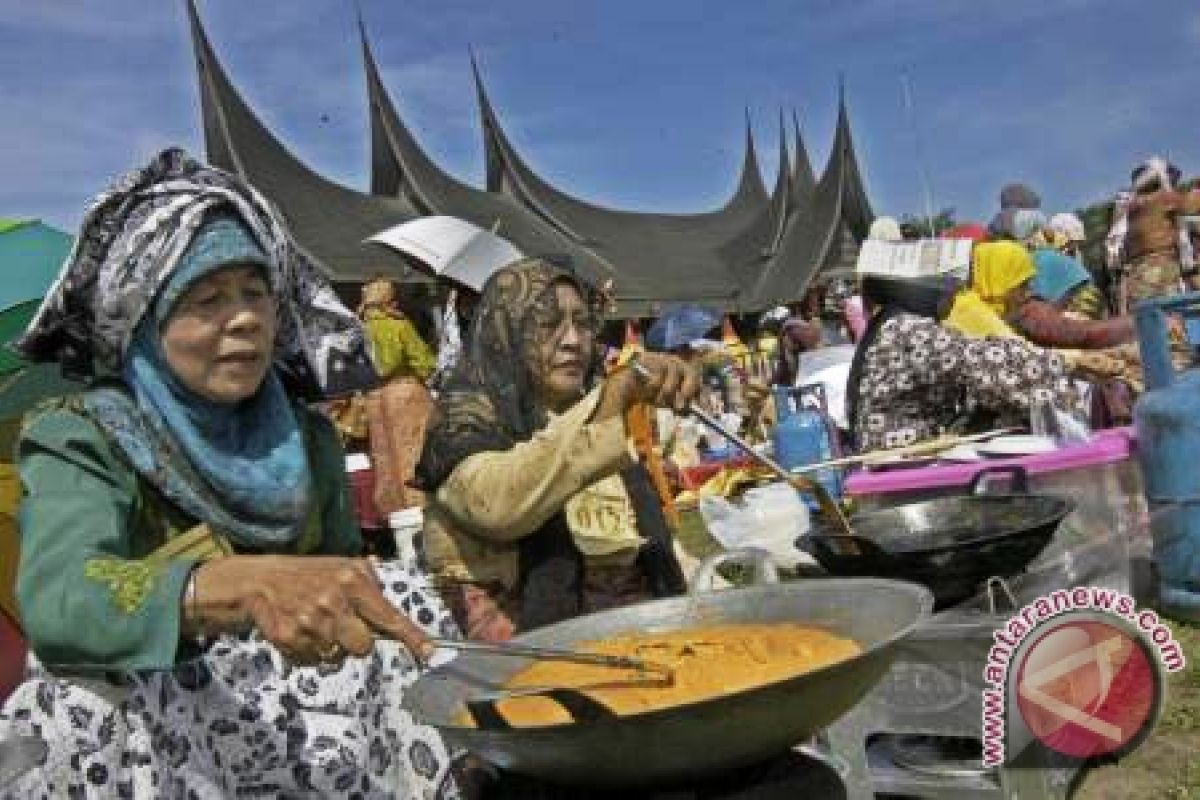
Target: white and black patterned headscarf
132	236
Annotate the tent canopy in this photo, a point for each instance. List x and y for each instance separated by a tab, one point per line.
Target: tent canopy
31	254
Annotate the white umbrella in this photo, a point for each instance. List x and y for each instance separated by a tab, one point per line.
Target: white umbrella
451	247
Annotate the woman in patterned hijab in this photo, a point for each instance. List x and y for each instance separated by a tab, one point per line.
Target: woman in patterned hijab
186	532
914	379
538	511
133	236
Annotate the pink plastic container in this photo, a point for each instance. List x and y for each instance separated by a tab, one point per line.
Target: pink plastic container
1102	477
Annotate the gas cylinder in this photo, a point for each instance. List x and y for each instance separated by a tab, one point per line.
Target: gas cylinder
803	432
1167	418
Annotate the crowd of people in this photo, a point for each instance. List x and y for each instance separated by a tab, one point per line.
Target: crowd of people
202	618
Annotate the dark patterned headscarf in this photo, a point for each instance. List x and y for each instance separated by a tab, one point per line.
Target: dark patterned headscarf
132	237
490	401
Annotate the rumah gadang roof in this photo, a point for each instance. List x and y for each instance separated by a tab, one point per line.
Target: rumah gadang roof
752	246
755	251
400	168
658	256
329	221
803	179
814	245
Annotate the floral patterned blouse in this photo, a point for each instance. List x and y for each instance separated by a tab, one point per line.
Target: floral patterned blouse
920	380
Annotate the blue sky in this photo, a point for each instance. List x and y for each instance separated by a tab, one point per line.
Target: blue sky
632	104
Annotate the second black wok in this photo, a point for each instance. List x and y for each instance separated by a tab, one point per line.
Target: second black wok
951	545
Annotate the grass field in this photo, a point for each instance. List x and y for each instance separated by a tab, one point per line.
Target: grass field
1167	766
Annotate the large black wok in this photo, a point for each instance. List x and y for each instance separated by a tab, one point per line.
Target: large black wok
950	545
692	739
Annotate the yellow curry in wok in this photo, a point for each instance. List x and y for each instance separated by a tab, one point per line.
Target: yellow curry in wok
703	663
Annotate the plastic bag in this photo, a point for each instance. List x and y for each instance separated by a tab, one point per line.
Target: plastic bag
1045	419
771	517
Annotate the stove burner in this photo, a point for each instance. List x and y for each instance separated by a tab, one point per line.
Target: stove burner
936	756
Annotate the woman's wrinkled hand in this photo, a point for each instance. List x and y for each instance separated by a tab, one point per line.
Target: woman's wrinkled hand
664	381
314	609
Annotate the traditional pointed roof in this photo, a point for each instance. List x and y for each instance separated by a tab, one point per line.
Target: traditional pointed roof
816	239
751	192
782	197
401	167
803	179
660	256
855	213
505	163
752	252
328	220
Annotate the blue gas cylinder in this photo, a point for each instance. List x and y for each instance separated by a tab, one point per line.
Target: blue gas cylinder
1167	418
802	437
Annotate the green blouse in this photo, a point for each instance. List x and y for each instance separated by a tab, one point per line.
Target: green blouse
97	588
397	350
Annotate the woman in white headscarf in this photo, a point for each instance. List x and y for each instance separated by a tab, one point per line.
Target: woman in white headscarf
885	229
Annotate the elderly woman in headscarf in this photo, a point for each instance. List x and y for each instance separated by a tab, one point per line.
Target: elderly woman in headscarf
1008	296
538	512
914	379
190	581
398	411
1159	255
885	229
796	337
1014	198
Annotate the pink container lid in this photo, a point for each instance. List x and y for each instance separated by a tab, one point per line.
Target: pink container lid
1106	447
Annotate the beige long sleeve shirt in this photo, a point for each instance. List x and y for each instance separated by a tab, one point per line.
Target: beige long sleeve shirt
476	519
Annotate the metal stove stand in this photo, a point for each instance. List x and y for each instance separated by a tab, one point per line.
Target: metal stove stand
934	689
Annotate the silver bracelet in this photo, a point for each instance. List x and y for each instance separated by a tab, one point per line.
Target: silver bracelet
191	605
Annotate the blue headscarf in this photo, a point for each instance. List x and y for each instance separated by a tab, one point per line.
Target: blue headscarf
1057	275
240	467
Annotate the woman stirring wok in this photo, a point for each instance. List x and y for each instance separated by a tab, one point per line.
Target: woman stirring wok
538	512
185	500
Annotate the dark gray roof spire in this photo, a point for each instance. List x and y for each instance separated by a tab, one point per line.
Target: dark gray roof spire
329	221
818	242
803	179
752	252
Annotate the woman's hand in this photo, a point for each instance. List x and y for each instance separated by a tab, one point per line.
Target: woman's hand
671	383
314	609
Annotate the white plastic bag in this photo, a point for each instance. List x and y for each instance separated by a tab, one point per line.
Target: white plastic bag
771	517
1047	420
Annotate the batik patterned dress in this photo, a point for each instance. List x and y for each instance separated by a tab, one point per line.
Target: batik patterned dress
920	380
236	722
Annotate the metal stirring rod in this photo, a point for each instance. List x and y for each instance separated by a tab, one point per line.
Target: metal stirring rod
552	654
828	505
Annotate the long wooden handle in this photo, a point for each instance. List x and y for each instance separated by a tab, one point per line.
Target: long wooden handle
932	446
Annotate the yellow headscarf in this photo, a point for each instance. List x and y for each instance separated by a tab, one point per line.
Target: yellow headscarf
997	268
